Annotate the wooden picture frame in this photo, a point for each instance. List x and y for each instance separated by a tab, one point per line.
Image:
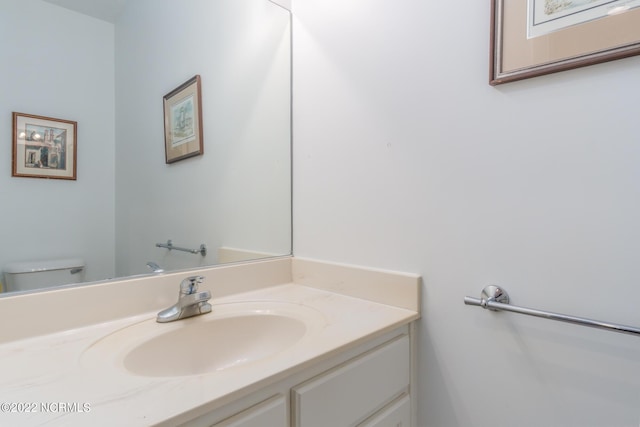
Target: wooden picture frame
183	121
44	147
530	38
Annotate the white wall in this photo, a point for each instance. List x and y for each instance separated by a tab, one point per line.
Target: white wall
240	187
57	63
406	159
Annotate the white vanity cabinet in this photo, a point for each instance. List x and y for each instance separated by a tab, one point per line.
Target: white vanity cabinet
366	386
397	414
355	390
272	412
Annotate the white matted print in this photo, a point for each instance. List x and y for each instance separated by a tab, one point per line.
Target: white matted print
546	16
44	147
576	41
183	121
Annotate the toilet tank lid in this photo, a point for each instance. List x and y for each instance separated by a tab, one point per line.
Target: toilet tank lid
49	265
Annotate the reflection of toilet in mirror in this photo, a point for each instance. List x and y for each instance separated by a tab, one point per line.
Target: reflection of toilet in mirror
25	276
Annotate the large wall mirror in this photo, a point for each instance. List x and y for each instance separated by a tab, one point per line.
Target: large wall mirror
110	75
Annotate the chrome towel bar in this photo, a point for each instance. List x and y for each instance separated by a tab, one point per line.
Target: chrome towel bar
497	299
169	245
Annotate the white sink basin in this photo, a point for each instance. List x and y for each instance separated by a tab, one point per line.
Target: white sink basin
232	335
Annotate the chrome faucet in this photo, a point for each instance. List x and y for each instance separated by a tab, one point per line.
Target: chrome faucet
190	302
153	266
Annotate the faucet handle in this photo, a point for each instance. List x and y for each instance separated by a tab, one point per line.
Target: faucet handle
190	285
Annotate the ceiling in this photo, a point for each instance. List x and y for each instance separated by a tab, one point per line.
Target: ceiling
107	10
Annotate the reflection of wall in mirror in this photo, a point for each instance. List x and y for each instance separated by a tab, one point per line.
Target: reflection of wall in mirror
46	219
241	83
237	194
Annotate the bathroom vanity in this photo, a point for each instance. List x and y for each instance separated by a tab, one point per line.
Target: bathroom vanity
289	342
366	386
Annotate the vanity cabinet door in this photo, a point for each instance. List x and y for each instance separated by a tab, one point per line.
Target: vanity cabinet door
356	390
270	413
398	414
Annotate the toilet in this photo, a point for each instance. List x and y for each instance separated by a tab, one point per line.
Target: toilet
26	276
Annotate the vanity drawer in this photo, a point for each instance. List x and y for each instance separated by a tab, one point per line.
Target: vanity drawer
397	414
271	413
353	391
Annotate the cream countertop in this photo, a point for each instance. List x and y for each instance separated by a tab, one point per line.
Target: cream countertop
51	369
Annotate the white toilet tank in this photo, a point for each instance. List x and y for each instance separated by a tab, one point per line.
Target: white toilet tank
25	276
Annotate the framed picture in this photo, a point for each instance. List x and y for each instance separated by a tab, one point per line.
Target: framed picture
530	38
183	121
44	147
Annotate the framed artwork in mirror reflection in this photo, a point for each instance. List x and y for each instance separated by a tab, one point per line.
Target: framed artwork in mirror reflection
530	38
183	121
44	147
